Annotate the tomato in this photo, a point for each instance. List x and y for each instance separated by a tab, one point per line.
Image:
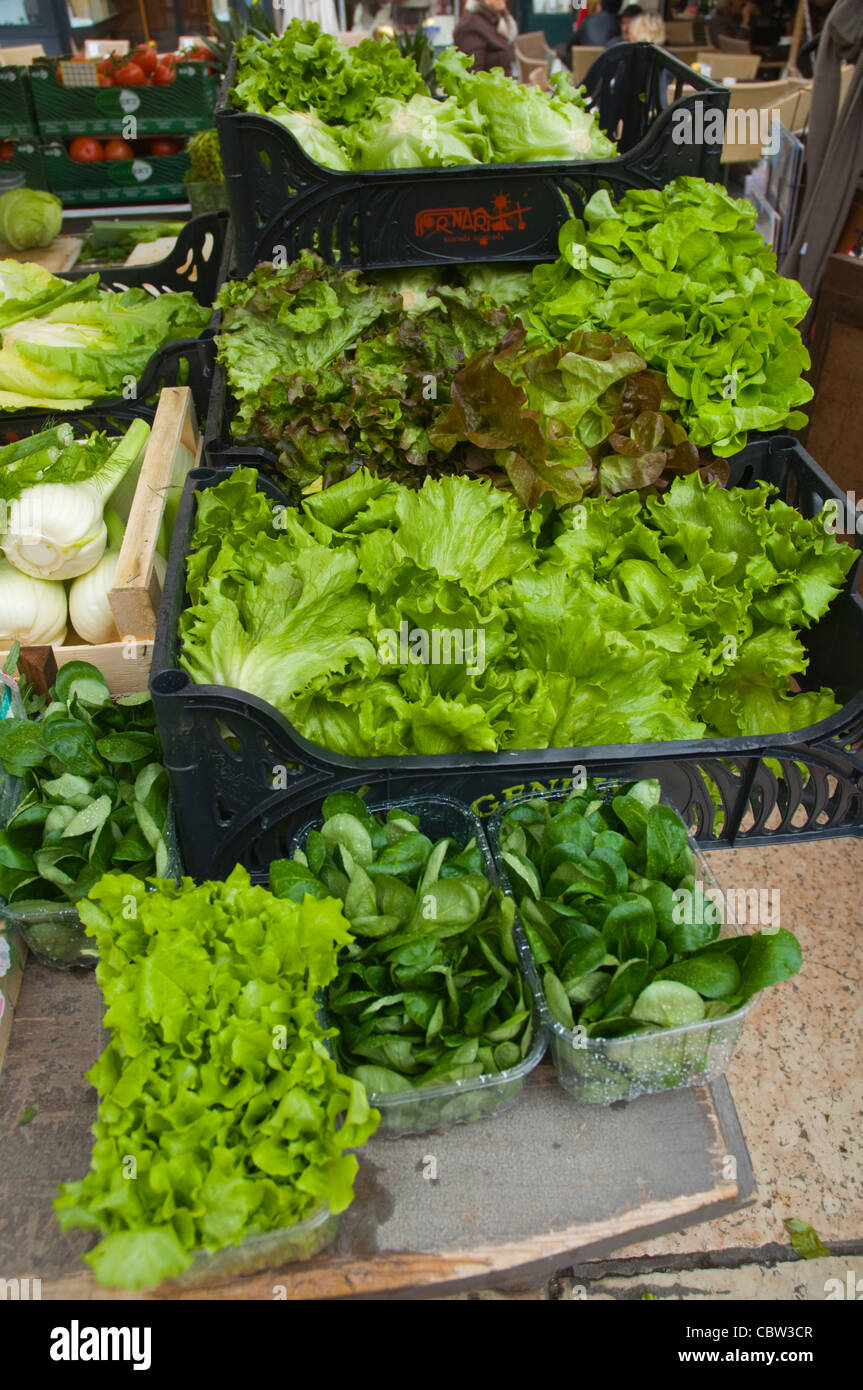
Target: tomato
7	150
163	75
104	81
166	146
146	59
130	75
119	149
86	150
106	67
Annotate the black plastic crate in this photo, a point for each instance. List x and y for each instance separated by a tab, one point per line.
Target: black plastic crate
194	264
279	197
224	749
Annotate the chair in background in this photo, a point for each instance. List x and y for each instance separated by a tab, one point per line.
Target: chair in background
679	31
742	67
532	57
727	45
582	61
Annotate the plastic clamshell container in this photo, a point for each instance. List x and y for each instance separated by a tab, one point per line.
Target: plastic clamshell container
601	1071
53	932
419	1109
269	1250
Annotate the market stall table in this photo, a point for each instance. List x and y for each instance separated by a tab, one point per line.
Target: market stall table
502	1202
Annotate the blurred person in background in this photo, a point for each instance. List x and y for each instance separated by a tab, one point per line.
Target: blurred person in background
486	30
647	28
732	19
627	15
599	27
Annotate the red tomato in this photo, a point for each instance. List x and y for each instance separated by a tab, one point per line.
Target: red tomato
130	75
119	149
7	150
163	75
166	146
86	150
145	58
106	67
104	81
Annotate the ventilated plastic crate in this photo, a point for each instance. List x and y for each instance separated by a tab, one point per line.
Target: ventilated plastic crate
179	107
17	120
280	198
222	746
144	179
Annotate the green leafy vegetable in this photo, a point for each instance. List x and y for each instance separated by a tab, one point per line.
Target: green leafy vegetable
428	992
805	1241
683	274
217	1081
606	876
608	622
94	794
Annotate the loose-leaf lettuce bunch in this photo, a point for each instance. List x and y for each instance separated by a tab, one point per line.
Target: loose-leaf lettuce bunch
368	107
410	376
682	273
606	623
306	69
217	1080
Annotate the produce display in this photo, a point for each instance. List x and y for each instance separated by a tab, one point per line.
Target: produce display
369	107
217	1081
142	66
94	793
494	515
330	369
608	622
428	991
88	149
599	884
69	343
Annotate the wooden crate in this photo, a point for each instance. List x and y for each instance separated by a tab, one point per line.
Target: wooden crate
173	448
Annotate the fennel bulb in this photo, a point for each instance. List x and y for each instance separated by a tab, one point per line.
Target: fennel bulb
32	611
57	530
89	608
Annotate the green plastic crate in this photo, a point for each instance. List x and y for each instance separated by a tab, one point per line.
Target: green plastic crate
27	160
183	107
145	179
16	105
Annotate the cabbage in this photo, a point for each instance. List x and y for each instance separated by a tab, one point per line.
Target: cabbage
29	218
418	134
319	141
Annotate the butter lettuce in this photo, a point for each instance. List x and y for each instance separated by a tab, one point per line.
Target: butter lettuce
682	273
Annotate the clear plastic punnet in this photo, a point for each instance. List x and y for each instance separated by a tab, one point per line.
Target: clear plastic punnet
419	1109
601	1071
269	1250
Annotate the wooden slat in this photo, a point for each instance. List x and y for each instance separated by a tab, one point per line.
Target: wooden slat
136	593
